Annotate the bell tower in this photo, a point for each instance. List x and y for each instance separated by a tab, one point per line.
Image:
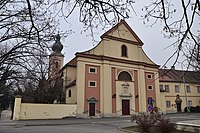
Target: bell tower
56	57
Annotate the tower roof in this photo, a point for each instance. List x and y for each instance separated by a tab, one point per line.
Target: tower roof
57	46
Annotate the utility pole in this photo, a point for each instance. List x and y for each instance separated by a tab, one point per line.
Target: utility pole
186	100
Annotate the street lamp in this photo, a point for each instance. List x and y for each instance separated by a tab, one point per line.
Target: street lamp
183	74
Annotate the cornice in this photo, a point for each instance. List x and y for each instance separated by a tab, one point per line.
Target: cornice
101	57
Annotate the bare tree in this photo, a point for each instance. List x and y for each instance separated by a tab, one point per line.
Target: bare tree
27	27
195	59
24	29
180	21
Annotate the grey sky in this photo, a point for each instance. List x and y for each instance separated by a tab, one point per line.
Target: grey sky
155	45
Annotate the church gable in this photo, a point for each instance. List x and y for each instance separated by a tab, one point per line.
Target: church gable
122	32
120	42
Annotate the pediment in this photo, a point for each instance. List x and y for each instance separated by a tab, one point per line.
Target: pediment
124	32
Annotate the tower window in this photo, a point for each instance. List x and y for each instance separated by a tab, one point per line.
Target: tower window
56	64
124	51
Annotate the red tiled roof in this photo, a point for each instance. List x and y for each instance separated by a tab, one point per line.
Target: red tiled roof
171	75
71	63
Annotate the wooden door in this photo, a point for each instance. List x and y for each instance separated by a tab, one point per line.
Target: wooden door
125	107
92	109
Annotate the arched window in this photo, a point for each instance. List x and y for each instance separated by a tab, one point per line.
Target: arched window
124	76
69	93
56	64
124	51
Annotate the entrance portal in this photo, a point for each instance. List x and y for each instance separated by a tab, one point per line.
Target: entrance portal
125	107
92	109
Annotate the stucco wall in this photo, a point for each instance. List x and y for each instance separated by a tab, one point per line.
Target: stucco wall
171	96
73	98
42	111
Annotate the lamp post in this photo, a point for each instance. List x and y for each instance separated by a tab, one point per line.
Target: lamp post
183	74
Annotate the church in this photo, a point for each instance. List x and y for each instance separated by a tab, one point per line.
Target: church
117	78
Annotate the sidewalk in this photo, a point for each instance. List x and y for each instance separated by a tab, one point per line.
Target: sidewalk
193	125
42	122
67	121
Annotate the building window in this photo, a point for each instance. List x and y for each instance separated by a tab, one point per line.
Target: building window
124	51
124	76
177	89
168	104
189	103
149	76
167	88
198	89
69	93
188	89
92	70
161	88
150	87
92	83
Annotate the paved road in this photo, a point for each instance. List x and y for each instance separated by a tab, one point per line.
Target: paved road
104	125
83	128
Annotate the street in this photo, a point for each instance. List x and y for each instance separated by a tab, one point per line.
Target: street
100	125
82	128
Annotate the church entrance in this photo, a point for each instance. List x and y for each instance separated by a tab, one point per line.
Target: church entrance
92	109
125	107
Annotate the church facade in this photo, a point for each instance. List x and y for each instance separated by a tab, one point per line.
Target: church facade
116	78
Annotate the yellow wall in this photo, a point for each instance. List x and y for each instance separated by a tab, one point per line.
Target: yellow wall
194	96
112	48
42	111
73	98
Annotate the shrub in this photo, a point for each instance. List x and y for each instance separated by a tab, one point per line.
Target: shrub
146	121
153	122
165	126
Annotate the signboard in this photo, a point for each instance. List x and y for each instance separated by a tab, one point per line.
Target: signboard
150	108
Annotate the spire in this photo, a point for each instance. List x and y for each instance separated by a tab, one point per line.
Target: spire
57	46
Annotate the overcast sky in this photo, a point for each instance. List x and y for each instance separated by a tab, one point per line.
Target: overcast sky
155	45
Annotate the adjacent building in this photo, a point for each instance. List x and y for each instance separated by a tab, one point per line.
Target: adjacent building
173	82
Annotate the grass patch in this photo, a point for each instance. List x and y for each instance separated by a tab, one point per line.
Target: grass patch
152	130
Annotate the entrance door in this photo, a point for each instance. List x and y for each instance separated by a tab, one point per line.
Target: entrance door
92	109
125	107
